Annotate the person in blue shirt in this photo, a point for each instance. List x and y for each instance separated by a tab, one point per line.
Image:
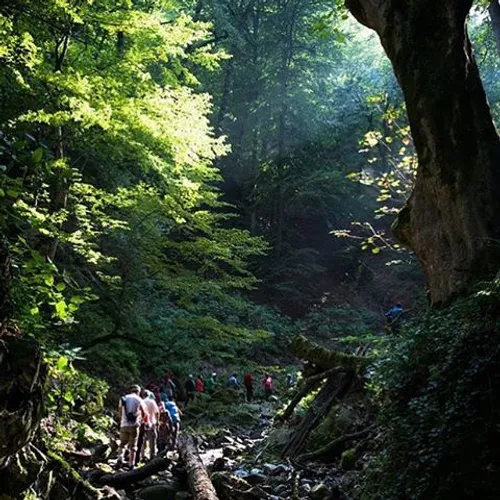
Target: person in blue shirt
175	418
233	382
394	313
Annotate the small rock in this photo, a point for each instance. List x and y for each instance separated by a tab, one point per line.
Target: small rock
230	451
158	492
269	468
320	492
282	488
240	473
305	489
220	464
254	479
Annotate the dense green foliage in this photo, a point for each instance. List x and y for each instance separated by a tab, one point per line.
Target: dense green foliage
187	185
438	386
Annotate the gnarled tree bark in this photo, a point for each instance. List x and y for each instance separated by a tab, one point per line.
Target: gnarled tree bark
451	219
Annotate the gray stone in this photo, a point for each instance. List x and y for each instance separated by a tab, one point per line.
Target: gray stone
159	492
230	451
320	492
255	479
305	489
269	468
280	489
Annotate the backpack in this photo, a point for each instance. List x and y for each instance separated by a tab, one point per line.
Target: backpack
130	416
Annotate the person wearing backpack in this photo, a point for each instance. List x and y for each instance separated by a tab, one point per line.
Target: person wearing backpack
131	412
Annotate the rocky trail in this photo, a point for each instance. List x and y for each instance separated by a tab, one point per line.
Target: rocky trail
232	463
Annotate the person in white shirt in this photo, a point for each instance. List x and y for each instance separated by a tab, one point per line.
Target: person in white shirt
131	412
150	424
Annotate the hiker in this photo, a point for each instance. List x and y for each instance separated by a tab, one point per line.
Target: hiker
157	395
150	424
170	387
199	384
248	383
164	397
175	417
268	386
164	429
394	313
131	412
190	389
232	381
210	385
290	380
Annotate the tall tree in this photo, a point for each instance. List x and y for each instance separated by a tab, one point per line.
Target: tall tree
451	219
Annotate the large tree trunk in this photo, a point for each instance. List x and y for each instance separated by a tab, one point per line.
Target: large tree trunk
451	219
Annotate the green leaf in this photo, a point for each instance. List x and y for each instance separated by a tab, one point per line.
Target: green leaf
62	363
37	155
60	287
376	250
48	279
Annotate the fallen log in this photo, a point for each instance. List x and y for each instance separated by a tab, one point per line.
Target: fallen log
307	386
198	479
121	479
336	447
327	358
332	391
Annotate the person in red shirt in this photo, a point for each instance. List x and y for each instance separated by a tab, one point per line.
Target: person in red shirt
199	384
248	382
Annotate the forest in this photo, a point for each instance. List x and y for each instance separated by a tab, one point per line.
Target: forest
249	190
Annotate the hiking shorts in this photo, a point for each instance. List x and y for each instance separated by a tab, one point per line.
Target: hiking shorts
129	437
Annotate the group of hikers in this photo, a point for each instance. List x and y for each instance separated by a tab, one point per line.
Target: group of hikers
150	418
196	386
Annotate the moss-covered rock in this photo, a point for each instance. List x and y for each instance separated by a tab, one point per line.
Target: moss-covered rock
348	459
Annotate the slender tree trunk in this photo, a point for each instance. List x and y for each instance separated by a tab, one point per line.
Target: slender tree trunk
60	188
226	89
5	280
494	9
287	57
451	219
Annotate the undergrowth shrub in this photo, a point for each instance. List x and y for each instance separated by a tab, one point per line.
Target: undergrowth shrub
438	384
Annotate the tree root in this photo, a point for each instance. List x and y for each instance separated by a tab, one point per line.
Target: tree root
335	447
121	479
